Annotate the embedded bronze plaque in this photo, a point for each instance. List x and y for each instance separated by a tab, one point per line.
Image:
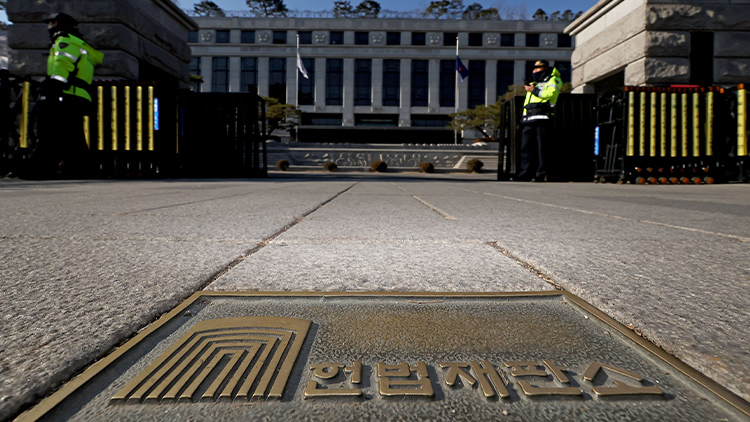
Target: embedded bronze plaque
346	356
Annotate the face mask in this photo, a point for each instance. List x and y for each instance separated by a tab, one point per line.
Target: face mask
539	76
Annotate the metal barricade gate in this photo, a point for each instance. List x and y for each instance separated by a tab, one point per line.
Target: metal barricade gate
684	135
141	130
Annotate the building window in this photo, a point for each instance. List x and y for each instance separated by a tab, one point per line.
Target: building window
195	69
532	40
306	91
277	79
476	83
279	37
192	36
249	75
334	81
421	120
361	38
504	76
393	38
362	81
220	75
564	40
337	37
391	82
321	119
447	83
419	83
305	37
222	37
376	120
418	38
529	70
566	71
247	37
449	38
475	39
507	40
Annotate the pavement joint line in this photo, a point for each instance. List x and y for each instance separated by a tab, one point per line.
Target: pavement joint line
260	245
435	209
97	361
184	203
729	236
122	239
539	273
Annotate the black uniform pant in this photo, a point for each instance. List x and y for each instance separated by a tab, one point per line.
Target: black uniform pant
534	144
61	149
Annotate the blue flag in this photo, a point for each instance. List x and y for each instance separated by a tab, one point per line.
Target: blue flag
461	69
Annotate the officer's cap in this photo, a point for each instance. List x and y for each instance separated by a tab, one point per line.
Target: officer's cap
62	20
541	63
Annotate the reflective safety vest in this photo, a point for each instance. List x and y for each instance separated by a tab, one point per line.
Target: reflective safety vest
540	103
71	61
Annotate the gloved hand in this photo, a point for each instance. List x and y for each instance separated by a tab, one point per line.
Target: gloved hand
51	88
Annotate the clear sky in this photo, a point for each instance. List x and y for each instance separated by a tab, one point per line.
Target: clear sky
548	6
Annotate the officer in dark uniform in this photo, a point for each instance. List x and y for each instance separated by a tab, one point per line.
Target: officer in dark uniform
538	112
64	98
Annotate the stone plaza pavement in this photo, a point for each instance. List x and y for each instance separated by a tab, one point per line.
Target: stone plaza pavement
86	264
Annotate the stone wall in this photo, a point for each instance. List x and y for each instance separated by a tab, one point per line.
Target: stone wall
650	41
141	39
3	50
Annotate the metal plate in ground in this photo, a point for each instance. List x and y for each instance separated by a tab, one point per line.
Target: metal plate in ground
527	357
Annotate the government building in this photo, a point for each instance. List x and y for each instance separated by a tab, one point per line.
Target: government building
374	80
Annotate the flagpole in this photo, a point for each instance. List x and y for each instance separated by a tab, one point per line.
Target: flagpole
296	93
455	130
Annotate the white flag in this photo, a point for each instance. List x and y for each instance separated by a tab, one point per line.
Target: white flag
301	67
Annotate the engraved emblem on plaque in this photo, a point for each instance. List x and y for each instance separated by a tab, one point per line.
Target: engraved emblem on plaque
377	38
435	39
233	358
549	40
263	37
620	389
492	39
320	37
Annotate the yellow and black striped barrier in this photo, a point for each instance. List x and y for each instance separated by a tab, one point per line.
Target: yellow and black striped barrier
682	134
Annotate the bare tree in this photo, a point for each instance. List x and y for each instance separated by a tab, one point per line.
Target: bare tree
343	9
368	9
208	8
268	8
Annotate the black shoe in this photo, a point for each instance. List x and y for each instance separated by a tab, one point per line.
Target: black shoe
539	179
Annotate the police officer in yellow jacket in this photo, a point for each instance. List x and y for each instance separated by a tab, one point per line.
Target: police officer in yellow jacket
65	97
538	112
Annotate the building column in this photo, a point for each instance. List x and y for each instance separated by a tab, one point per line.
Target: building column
263	67
320	83
234	74
434	84
207	71
490	82
377	83
519	72
347	108
291	80
404	118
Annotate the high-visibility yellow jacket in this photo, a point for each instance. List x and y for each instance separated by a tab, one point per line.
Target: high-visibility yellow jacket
71	61
540	103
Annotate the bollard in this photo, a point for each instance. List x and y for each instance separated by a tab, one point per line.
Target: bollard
631	123
673	125
741	121
139	118
642	125
24	141
663	120
709	129
653	123
114	118
127	118
100	116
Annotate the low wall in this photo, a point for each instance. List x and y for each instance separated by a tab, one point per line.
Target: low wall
400	157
